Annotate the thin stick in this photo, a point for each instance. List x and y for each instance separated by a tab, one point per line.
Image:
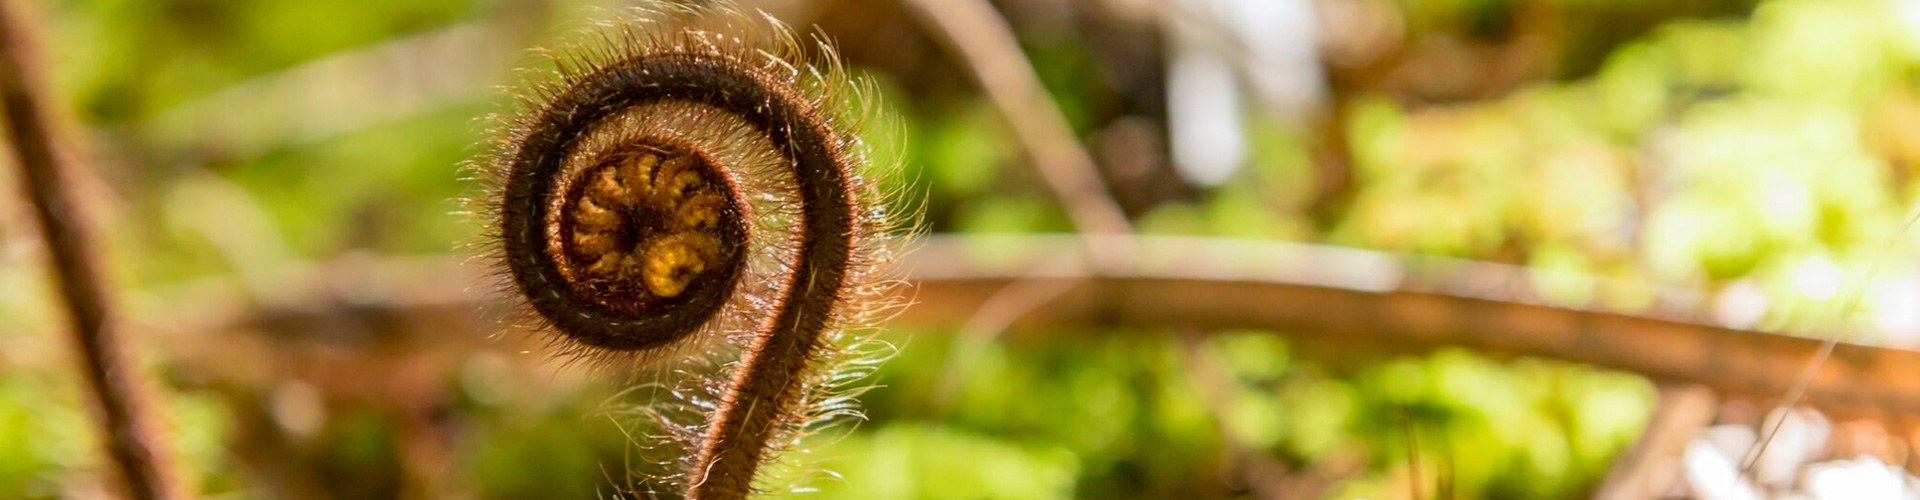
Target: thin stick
128	439
1825	352
987	48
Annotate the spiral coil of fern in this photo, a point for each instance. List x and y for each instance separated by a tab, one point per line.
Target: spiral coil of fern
639	191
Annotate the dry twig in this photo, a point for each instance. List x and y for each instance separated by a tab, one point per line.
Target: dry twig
988	49
129	440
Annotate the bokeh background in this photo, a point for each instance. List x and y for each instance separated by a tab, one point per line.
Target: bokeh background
279	187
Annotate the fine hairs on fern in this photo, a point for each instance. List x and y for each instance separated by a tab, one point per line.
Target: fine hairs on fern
690	191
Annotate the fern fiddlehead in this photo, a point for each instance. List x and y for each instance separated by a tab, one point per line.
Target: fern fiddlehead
694	182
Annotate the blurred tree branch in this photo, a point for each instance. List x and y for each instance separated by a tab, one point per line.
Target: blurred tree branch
1341	298
140	460
987	47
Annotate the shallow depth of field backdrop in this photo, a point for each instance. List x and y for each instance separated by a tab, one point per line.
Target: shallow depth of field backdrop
278	188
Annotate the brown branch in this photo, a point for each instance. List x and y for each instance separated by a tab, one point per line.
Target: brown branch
1350	298
987	48
130	443
1355	298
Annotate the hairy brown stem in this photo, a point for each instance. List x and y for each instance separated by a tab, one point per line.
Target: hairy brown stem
768	380
124	430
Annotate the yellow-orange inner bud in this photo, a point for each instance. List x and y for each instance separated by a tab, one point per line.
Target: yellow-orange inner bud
675	260
645	224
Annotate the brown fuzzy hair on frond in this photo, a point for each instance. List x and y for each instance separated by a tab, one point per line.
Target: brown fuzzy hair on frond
688	186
